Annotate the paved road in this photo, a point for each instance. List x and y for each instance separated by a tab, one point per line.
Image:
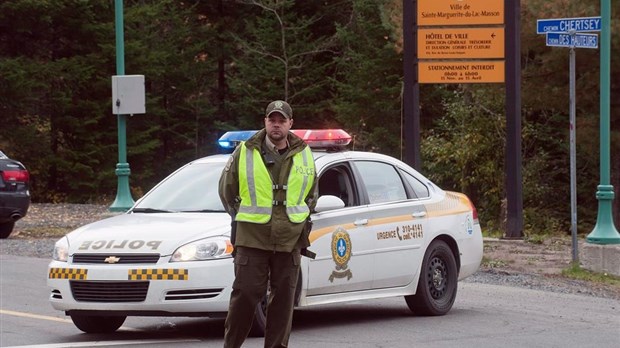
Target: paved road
483	316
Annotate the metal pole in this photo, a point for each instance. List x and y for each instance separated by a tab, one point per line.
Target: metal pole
411	89
123	199
573	171
605	232
513	166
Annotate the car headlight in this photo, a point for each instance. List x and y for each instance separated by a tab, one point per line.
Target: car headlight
204	249
61	250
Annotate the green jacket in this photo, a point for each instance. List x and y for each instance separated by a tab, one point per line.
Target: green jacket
279	234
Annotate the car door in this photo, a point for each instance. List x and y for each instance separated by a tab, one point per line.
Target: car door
396	222
339	238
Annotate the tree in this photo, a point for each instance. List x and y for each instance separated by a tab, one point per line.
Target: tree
368	79
460	151
280	57
53	92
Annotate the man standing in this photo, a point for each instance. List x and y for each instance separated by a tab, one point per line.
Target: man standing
268	186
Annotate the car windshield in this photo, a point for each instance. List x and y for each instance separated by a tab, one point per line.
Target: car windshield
194	188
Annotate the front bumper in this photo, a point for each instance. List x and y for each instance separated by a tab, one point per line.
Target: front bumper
199	288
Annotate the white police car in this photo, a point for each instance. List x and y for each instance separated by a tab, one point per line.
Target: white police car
381	229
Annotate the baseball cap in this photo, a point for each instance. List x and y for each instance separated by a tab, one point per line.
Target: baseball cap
279	106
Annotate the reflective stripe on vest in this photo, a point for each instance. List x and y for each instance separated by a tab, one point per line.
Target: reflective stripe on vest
256	202
300	180
255	187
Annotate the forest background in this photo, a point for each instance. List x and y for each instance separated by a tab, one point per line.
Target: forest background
212	66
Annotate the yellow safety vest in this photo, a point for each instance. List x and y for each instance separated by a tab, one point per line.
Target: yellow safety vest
256	187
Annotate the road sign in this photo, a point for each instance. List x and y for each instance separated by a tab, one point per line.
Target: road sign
460	12
461	43
578	40
565	25
483	71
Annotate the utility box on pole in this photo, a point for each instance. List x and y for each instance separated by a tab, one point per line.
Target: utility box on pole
128	95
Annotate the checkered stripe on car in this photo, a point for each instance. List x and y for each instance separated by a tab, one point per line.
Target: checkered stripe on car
158	274
68	273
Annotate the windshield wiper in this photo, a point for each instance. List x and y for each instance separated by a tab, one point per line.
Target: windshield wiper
151	210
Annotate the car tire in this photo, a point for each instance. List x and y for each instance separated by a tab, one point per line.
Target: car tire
260	318
438	282
97	324
6	228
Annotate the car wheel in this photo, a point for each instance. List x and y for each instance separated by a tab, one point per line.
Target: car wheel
6	228
260	318
438	282
97	324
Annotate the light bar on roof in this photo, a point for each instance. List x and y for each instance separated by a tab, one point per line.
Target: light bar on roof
315	138
231	139
323	138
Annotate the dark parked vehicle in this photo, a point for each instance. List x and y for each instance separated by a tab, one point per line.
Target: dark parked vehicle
14	193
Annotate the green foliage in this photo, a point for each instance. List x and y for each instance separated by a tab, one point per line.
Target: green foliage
576	272
368	80
460	151
51	94
493	263
167	42
282	53
456	157
536	238
545	128
212	66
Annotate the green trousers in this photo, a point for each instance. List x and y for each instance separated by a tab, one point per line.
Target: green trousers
257	270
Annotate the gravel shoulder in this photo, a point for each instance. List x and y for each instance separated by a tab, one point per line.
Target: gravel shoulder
506	262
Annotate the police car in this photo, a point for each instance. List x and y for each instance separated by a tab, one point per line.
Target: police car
381	229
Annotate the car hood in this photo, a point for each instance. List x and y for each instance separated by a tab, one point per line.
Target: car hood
160	233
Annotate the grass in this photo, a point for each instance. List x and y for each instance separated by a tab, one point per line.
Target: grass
493	263
578	273
43	232
536	238
492	233
532	260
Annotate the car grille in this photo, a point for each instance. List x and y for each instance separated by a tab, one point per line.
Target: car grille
96	291
194	294
111	258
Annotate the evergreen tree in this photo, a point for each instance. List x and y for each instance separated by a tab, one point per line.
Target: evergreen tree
368	79
53	93
280	57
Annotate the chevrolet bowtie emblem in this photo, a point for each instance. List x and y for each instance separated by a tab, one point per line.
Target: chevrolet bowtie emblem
112	259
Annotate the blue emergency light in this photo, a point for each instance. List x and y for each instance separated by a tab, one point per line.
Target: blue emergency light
231	139
315	138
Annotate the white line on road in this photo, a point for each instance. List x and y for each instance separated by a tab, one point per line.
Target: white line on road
45	317
104	343
33	316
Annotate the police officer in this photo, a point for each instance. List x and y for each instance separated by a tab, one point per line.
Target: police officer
269	188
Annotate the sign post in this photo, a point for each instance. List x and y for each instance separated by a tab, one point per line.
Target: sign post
466	41
573	154
568	32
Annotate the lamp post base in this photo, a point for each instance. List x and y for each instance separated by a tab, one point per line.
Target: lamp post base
604	232
123	199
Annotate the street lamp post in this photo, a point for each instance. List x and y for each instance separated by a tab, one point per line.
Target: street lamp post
123	199
604	231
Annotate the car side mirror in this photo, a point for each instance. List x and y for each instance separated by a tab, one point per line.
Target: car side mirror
328	202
